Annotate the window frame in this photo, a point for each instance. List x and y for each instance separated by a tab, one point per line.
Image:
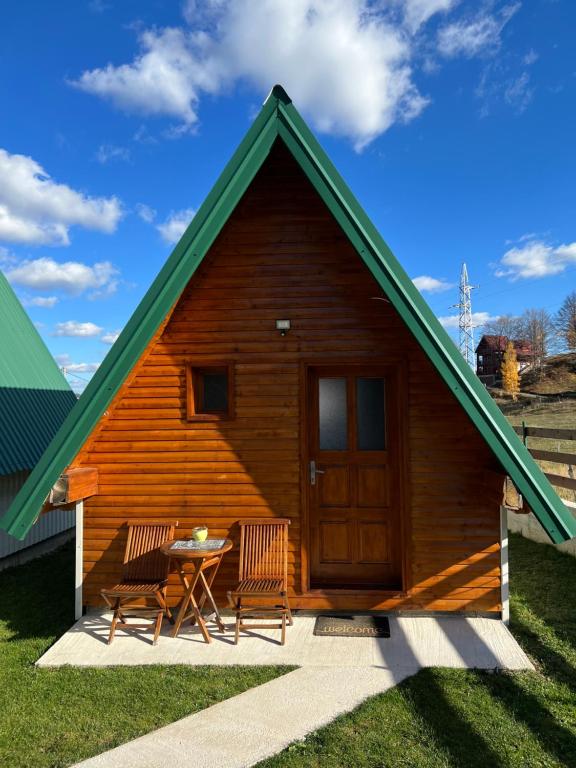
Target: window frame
195	372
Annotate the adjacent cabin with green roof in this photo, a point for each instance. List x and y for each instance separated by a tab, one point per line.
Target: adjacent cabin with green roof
282	364
35	398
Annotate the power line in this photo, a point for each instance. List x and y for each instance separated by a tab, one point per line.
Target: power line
66	372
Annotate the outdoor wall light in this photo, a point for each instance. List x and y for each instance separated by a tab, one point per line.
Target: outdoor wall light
283	326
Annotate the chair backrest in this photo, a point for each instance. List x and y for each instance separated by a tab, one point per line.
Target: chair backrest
264	549
143	560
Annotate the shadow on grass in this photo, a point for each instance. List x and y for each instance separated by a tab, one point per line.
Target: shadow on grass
457	737
526	707
551	663
542	580
37	598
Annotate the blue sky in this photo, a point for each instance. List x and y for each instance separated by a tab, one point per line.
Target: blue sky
452	121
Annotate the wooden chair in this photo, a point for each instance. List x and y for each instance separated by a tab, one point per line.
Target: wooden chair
144	576
263	574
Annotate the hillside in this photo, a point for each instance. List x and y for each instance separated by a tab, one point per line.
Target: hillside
557	378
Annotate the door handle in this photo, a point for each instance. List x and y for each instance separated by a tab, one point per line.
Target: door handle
314	472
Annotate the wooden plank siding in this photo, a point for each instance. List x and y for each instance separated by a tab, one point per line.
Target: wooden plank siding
281	255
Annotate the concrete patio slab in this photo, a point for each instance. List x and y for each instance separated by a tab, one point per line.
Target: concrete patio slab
415	642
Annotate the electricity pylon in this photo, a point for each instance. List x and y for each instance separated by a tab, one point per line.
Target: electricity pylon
466	329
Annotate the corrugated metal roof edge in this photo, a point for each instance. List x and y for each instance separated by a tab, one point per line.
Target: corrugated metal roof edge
30	419
278	117
27	353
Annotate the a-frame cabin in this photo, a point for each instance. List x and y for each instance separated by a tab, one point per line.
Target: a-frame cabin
283	364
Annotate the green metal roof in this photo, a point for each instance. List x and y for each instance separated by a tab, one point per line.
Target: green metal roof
35	398
279	120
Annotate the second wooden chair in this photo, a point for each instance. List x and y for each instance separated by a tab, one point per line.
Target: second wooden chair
263	575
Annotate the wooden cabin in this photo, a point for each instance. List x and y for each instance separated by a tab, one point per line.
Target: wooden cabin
283	365
35	398
490	355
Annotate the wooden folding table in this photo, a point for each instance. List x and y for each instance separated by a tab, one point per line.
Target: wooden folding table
200	558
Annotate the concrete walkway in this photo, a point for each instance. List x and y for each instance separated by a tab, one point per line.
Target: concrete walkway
258	723
335	675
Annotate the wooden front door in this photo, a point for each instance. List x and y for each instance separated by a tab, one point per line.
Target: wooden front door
353	478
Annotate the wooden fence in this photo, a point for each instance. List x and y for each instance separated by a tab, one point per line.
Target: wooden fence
558	457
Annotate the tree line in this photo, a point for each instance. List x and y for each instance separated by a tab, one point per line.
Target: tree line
546	333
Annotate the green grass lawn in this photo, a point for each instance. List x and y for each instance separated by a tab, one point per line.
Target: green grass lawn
435	719
55	717
465	719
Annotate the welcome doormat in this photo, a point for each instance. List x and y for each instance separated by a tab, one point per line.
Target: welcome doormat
352	626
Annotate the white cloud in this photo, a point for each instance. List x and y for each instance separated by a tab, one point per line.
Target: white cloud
496	86
518	92
358	81
143	136
73	328
15	229
5	256
165	79
146	212
47	302
536	258
417	12
108	152
175	225
35	209
475	36
110	337
478	319
65	361
71	277
82	367
531	57
428	284
98	6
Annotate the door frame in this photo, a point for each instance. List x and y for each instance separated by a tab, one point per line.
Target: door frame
399	369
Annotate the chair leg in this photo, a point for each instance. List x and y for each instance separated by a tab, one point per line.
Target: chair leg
158	627
161	600
237	634
283	637
288	611
115	620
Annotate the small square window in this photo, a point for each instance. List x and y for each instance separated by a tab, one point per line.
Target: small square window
209	392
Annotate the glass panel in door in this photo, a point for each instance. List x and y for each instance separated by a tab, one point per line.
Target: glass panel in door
333	414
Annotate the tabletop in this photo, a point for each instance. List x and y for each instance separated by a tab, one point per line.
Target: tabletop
199	551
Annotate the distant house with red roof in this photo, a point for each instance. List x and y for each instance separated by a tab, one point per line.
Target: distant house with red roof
490	353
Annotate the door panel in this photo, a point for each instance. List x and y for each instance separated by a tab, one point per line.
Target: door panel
334	490
374	542
355	540
372	486
335	545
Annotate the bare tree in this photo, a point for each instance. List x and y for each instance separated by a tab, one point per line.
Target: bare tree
565	322
505	325
538	330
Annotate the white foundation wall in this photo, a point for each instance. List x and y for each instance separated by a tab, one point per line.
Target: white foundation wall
528	526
